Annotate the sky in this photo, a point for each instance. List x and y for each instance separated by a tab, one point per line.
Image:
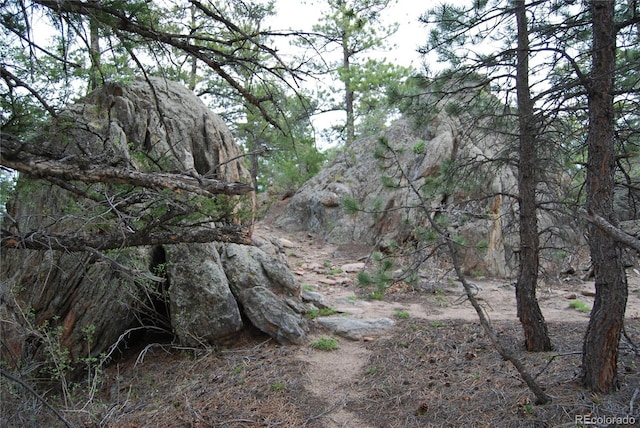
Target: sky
297	14
302	15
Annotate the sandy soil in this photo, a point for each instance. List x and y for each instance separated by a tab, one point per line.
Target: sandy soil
315	262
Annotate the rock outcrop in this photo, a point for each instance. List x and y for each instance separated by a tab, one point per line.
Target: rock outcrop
85	305
358	174
203	308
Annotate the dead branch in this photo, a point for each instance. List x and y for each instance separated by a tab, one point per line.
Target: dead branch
553	358
541	397
35	394
613	231
51	169
41	240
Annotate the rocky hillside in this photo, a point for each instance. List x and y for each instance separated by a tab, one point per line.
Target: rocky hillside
483	217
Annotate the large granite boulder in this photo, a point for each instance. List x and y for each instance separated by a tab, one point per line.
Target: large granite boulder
84	303
273	316
478	205
264	285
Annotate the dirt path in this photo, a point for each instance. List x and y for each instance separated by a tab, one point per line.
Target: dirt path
331	271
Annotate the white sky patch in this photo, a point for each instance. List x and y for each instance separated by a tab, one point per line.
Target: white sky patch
403	45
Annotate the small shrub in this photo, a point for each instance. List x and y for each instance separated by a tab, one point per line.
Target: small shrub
313	314
402	314
324	312
371	370
579	306
376	295
439	298
325	344
382	277
364	279
278	386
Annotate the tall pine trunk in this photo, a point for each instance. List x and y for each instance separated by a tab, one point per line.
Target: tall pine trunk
349	94
600	348
95	74
535	328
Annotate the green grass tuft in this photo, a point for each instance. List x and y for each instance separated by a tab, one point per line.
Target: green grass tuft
325	344
580	306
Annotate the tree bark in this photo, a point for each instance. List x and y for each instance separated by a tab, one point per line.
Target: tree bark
533	323
348	92
95	72
600	348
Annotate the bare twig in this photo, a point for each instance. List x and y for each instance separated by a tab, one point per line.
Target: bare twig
246	421
553	358
143	353
635	348
35	394
632	401
328	410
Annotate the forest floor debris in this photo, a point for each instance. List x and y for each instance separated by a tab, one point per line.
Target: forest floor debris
433	367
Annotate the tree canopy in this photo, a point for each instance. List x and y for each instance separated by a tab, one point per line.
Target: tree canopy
561	70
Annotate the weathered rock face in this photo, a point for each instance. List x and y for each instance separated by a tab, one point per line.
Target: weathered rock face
263	284
357	173
248	267
165	120
79	299
273	316
203	309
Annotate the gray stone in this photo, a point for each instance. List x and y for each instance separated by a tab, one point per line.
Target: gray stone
315	298
315	206
203	309
299	305
353	328
273	316
140	125
352	267
286	243
247	267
